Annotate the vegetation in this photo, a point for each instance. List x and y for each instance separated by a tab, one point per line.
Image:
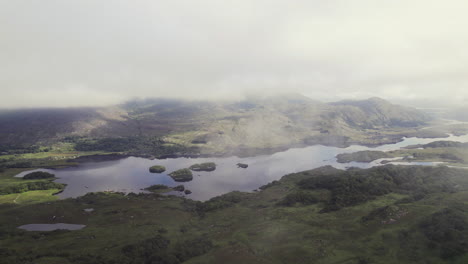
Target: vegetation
444	144
38	175
21	148
362	156
30	197
207	166
353	187
447	231
179	188
242	165
285	222
299	197
134	145
158	250
381	215
182	175
270	184
220	202
157	187
157	169
31	186
445	151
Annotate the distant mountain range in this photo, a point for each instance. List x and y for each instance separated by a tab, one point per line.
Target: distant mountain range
214	127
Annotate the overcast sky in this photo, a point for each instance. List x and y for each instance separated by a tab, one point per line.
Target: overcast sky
79	52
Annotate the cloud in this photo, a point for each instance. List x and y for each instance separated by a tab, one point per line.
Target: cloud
95	52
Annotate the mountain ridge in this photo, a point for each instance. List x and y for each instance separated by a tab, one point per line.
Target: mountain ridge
261	123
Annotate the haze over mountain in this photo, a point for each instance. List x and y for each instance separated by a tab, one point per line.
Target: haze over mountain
268	122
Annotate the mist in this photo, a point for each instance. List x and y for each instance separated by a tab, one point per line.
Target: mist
56	53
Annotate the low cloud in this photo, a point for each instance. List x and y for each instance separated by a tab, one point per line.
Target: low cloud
91	52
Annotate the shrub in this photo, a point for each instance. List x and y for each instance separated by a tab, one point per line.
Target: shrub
188	249
156	187
220	202
447	231
356	186
300	197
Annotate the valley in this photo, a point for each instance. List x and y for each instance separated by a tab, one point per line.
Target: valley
233	132
319	187
251	127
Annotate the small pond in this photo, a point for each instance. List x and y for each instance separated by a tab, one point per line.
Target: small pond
51	227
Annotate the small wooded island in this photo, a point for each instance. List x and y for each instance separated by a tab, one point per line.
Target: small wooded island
157	169
207	166
38	175
182	175
242	165
157	187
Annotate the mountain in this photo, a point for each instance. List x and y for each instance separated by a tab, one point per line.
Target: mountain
458	114
248	126
376	112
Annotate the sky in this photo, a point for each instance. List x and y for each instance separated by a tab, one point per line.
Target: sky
95	52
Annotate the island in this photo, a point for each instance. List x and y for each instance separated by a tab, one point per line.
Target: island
207	166
179	188
242	165
362	156
182	175
158	188
157	169
38	175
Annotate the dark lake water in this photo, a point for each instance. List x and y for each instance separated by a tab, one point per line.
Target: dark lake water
131	174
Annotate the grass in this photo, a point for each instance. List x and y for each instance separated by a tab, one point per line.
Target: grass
51	159
253	229
7	180
30	197
58	151
7	177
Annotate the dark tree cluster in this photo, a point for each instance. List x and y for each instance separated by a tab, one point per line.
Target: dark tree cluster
447	231
136	145
31	186
356	186
38	175
158	250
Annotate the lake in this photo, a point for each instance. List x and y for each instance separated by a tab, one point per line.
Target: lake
131	174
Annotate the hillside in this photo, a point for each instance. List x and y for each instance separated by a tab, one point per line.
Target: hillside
249	126
376	112
451	152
